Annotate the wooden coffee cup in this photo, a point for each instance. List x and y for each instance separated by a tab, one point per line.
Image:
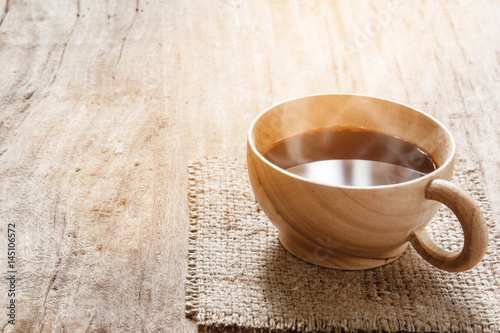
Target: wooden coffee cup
361	227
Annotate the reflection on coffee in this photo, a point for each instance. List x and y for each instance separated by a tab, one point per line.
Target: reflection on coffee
351	157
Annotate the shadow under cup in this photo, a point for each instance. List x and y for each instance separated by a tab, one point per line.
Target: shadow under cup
340	226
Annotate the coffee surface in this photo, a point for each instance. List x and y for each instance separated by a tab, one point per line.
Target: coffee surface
351	157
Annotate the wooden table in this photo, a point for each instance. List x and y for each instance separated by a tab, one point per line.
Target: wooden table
104	103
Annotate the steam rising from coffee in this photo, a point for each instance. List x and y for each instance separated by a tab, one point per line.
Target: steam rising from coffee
351	157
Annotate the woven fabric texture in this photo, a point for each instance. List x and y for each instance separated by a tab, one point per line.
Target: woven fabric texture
240	276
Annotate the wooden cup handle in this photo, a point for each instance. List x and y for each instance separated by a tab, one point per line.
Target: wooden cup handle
473	225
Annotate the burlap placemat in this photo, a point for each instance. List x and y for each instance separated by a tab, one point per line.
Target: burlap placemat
240	276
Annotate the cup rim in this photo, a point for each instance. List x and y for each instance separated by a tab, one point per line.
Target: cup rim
428	176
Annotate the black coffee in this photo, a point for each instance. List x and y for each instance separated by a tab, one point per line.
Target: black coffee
351	157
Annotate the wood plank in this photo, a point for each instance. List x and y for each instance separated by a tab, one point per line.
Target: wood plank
103	104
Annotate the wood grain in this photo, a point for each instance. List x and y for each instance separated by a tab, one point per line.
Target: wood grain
103	103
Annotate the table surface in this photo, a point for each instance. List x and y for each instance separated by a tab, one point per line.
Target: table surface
104	103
